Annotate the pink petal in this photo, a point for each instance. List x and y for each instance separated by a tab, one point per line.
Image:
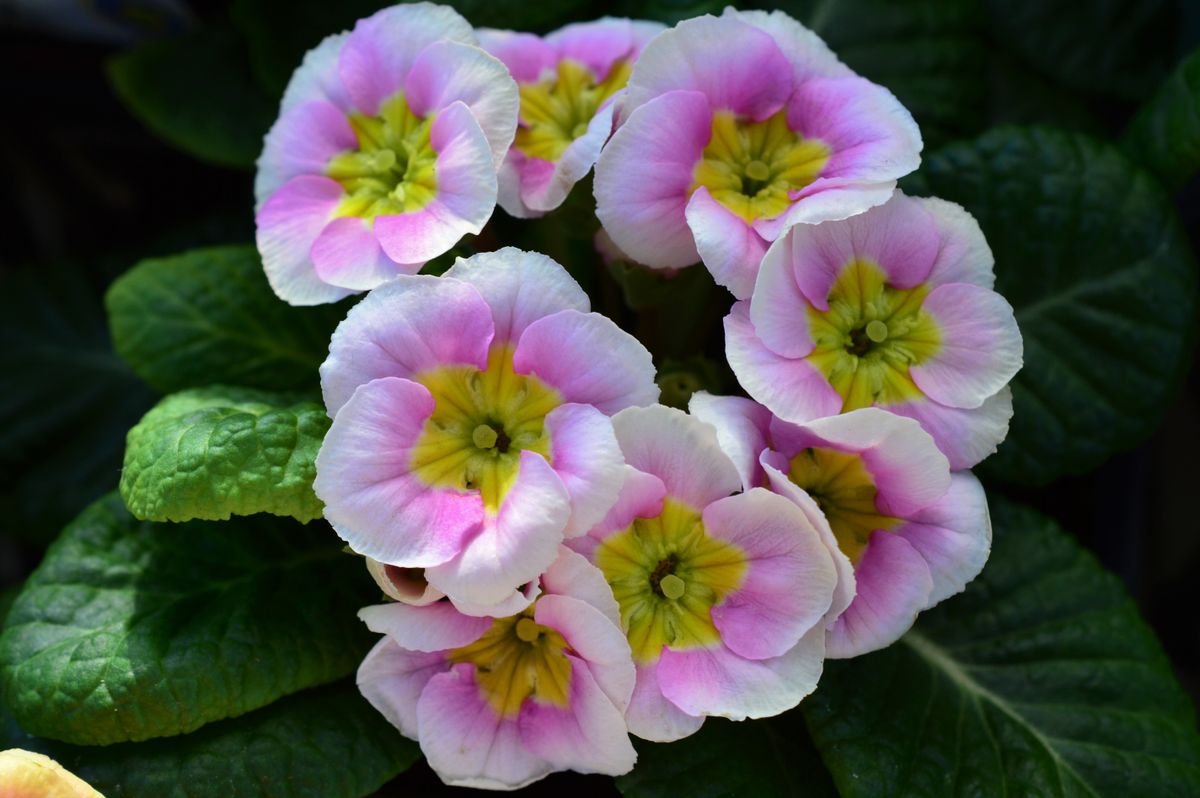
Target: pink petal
965	436
644	175
587	458
287	225
402	329
730	248
641	496
964	256
954	535
348	254
808	54
651	716
436	627
779	312
588	359
597	44
526	55
392	679
371	496
573	576
596	639
301	142
741	426
317	77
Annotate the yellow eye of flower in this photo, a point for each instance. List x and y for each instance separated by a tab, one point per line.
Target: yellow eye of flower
481	422
871	336
394	168
749	167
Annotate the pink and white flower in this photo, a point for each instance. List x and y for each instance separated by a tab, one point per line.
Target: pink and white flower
892	308
470	424
905	532
733	129
502	702
723	598
384	155
568	80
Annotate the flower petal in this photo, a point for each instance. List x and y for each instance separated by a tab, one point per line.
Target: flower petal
789	585
372	498
520	288
791	389
573	576
741	426
597	44
893	585
466	193
518	600
735	66
516	545
301	142
588	460
595	638
644	175
466	742
715	681
981	348
954	535
437	627
287	224
965	256
317	77
966	437
526	55
588	736
588	359
680	450
403	328
348	254
778	306
641	496
730	248
378	54
392	679
651	716
808	54
542	190
449	72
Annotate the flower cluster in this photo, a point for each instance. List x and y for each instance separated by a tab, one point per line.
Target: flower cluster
566	561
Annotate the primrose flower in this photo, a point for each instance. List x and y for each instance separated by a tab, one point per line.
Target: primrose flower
723	598
893	308
734	128
567	83
384	155
25	774
502	702
470	424
904	531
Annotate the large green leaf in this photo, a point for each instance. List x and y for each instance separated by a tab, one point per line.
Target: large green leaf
773	757
67	402
215	452
930	53
130	630
1041	679
197	92
1111	47
1165	135
276	47
209	316
1092	257
322	743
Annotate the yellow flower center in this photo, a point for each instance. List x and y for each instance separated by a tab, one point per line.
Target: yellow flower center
393	170
749	167
556	111
845	491
517	659
667	574
871	336
481	422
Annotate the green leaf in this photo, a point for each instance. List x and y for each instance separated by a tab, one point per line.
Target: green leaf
276	49
214	452
66	405
773	757
197	92
1040	679
1092	257
209	316
1165	135
1109	47
322	743
130	630
930	53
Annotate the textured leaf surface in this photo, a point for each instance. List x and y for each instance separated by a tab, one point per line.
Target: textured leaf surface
215	452
198	93
67	402
1041	680
773	757
321	743
1165	135
1092	257
208	316
130	630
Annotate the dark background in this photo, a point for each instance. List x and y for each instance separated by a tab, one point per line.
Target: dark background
88	190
